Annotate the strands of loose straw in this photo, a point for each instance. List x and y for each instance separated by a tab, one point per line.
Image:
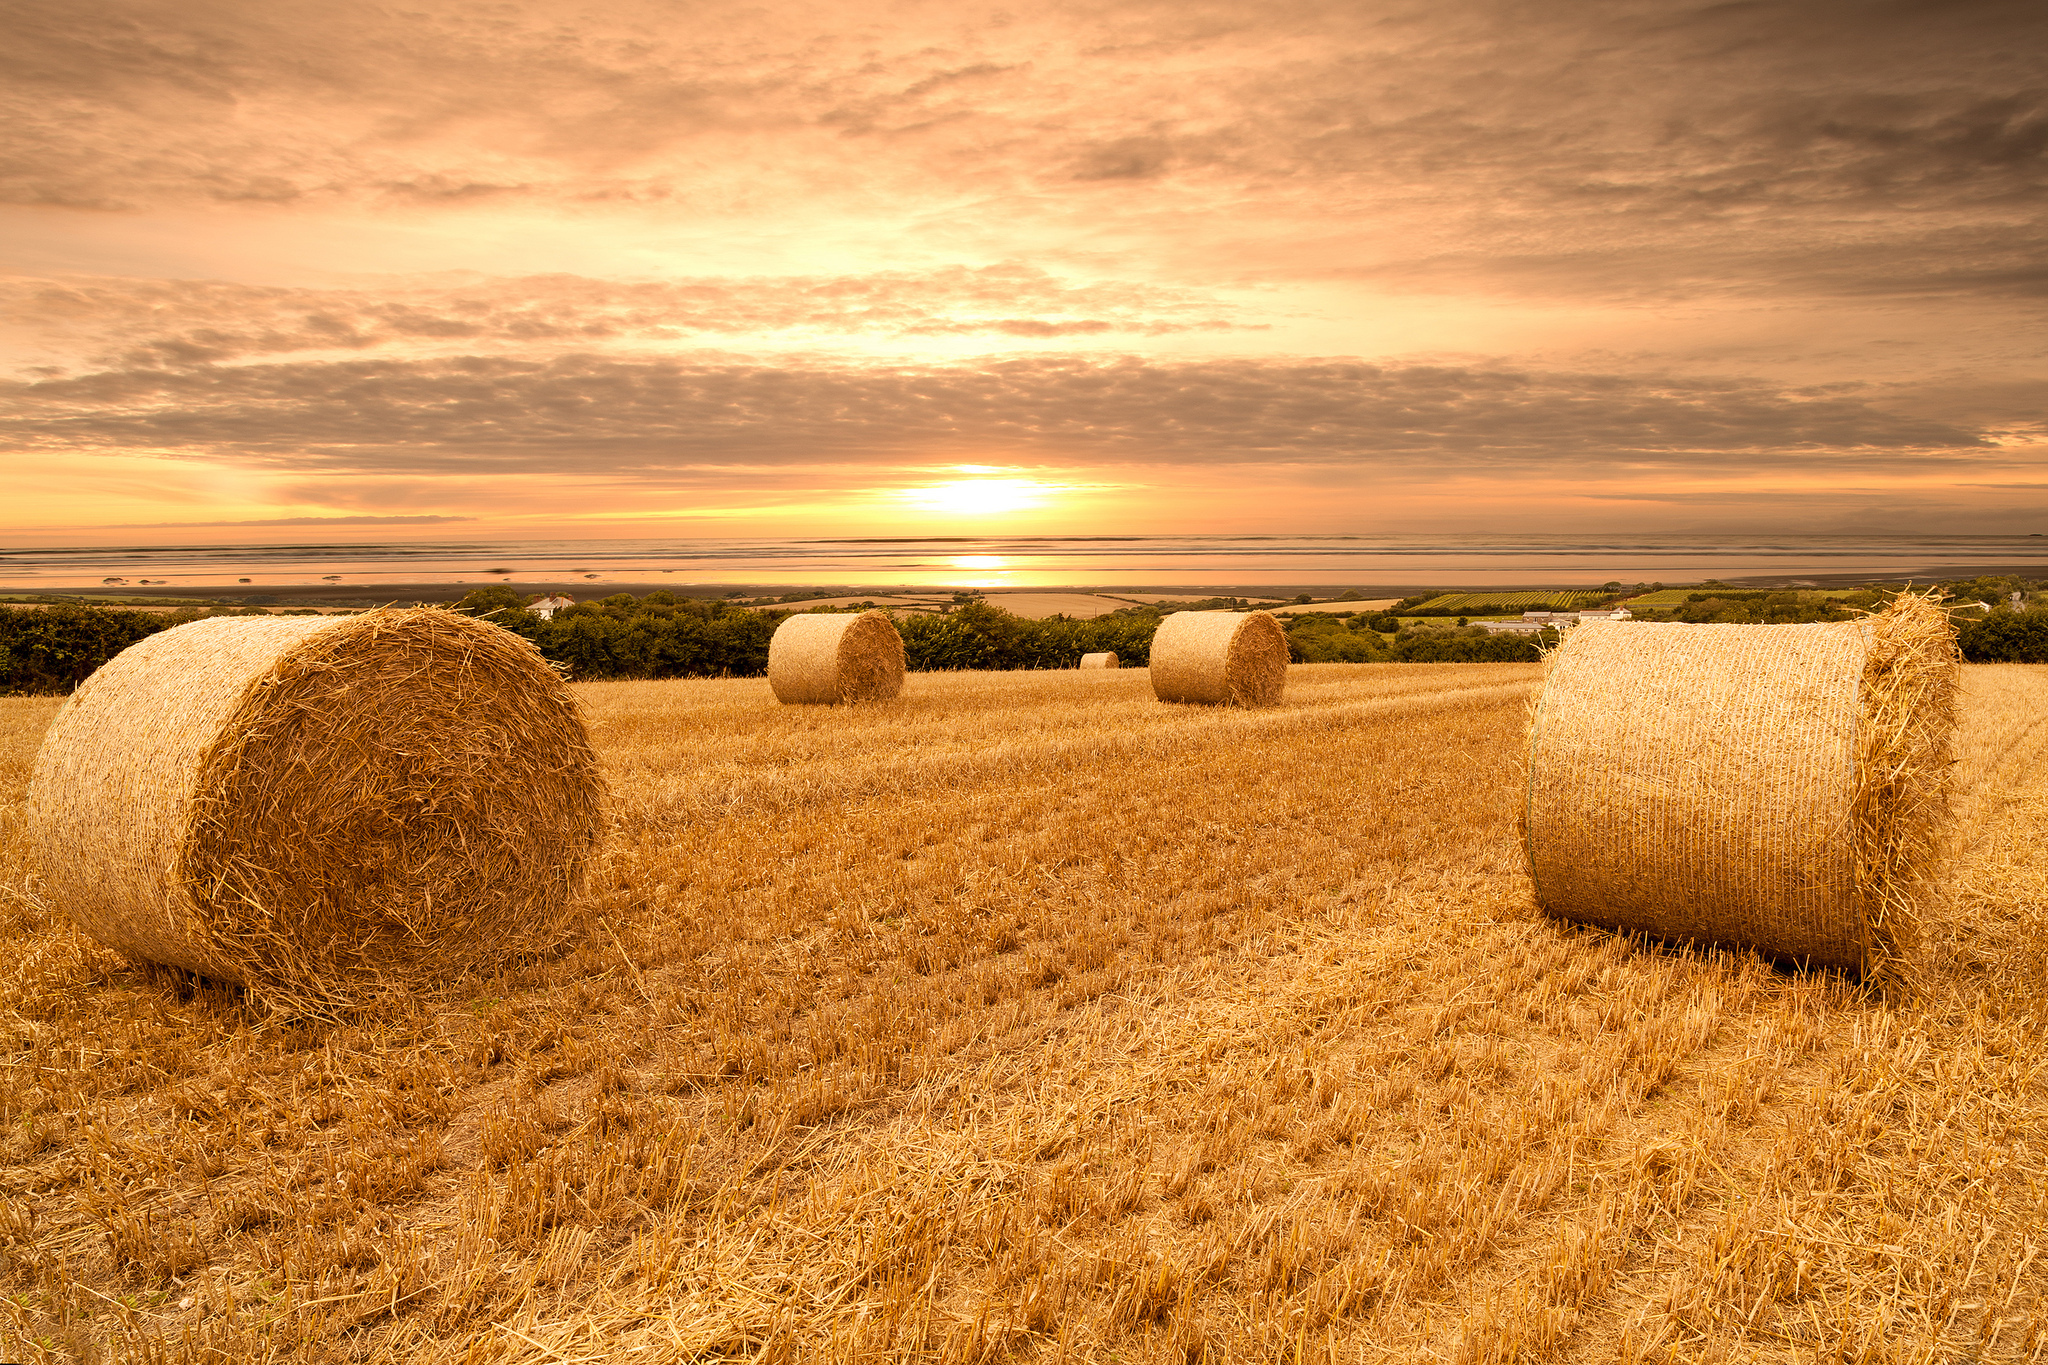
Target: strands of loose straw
1903	804
825	658
320	808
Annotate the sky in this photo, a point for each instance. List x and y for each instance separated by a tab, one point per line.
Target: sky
703	269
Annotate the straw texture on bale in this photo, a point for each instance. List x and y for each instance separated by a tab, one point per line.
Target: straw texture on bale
319	806
1220	658
1779	787
1104	660
827	657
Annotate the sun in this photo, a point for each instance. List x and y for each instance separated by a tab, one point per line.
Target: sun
980	497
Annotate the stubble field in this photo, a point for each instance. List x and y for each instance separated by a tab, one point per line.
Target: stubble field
1025	1018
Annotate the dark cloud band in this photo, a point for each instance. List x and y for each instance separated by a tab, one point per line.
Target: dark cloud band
592	413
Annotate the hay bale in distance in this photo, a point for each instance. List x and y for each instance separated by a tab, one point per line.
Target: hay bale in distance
1220	658
1780	787
314	806
1107	659
822	658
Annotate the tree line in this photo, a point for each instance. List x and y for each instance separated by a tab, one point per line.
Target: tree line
51	649
1771	608
662	635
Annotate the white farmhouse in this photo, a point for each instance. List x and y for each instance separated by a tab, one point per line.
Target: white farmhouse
1565	620
548	606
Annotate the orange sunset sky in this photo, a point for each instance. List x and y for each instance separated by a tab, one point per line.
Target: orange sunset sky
704	269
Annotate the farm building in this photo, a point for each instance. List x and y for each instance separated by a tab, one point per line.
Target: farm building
546	607
1572	618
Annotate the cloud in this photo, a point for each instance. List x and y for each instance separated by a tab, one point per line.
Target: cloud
652	418
283	521
1473	127
1129	158
1969	263
1852	189
197	322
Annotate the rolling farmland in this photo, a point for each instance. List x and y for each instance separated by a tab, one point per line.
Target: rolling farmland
1024	1018
1483	603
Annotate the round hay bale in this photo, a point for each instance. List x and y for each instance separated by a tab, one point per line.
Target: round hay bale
1779	787
827	657
1220	658
1107	659
317	806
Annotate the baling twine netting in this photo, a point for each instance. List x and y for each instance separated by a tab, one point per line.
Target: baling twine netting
319	806
1780	787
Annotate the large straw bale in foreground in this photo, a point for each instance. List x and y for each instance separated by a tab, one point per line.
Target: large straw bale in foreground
315	805
1783	787
823	658
1220	658
1104	660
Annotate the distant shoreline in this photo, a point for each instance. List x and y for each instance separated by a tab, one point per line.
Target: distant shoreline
407	594
1272	566
443	591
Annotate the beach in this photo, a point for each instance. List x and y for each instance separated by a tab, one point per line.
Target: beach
1265	566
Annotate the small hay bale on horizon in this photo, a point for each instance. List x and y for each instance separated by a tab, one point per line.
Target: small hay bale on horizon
318	807
824	658
1784	788
1220	658
1105	659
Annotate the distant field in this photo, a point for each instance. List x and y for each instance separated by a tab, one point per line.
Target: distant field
1038	605
893	602
1081	606
1509	601
1668	597
1336	604
1026	1019
1678	597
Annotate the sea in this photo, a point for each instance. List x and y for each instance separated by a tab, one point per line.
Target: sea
1261	564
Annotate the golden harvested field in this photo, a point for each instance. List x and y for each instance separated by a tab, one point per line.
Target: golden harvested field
1082	606
1024	1018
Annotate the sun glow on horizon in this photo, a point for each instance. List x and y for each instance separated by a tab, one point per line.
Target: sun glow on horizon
981	496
